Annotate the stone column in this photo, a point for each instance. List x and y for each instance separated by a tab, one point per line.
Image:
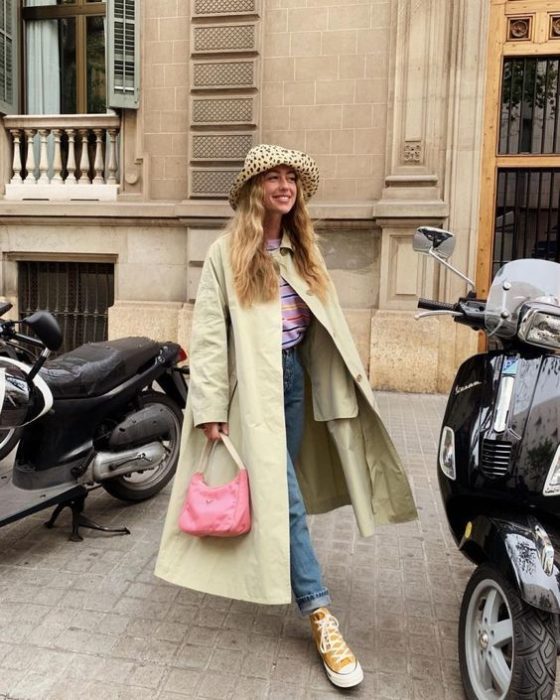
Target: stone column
432	177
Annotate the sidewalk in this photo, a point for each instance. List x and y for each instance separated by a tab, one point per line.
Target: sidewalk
89	620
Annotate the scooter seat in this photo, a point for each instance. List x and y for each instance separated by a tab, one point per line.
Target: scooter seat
96	368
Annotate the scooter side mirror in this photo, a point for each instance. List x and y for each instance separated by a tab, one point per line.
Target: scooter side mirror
428	239
46	328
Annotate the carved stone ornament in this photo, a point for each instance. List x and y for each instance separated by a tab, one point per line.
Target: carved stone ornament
204	8
413	152
554	27
519	29
221	146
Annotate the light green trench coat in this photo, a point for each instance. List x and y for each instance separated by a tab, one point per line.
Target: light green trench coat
236	376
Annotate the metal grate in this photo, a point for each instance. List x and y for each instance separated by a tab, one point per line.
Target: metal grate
529	120
78	294
495	457
527	205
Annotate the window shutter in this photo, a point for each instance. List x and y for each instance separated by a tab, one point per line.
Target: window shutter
8	57
123	52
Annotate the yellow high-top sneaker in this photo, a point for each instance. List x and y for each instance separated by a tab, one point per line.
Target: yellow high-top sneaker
342	667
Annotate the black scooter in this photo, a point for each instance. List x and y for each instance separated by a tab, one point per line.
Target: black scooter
499	477
90	417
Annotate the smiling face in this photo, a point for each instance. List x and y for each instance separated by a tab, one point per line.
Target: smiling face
280	187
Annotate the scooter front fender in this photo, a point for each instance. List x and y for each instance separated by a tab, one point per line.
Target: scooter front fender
517	549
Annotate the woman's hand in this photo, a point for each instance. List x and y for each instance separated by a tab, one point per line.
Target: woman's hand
213	430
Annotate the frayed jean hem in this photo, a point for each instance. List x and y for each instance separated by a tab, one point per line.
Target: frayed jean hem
308	603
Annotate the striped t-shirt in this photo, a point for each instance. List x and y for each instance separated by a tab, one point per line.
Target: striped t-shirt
295	312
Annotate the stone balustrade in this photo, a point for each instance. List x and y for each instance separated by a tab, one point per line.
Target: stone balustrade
63	157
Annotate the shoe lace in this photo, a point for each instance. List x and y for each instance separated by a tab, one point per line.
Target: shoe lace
331	639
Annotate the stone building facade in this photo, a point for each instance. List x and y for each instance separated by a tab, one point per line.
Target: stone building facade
386	95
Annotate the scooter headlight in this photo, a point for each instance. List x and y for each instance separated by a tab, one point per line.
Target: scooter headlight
447	453
552	483
540	325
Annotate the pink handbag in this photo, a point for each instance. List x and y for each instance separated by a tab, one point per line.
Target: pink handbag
217	511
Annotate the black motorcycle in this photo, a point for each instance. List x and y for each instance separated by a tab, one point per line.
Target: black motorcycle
105	414
499	477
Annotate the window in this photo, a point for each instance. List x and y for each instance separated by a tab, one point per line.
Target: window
520	192
79	295
79	56
527	197
64	56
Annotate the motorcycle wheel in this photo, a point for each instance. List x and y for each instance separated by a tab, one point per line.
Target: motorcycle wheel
8	440
507	648
143	485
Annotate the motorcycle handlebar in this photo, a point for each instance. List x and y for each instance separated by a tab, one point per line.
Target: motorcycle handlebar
433	305
8	332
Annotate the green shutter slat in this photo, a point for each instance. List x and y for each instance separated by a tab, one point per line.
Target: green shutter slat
8	57
123	52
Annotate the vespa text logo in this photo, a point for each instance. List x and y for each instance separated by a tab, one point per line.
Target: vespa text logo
460	389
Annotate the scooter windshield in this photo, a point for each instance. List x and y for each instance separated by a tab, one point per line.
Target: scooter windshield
516	283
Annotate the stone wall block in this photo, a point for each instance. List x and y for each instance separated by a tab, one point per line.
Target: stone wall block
351	67
184	326
308	19
299	93
339	42
305	43
148	282
159	321
277	44
350	16
359	323
198	242
402	352
321	117
405	275
276	69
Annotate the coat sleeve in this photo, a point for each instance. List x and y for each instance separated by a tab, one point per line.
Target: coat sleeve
209	383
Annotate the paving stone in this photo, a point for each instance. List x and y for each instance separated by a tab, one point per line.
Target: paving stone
33	686
251	689
193	656
216	686
90	620
280	690
227	661
146	675
182	681
202	636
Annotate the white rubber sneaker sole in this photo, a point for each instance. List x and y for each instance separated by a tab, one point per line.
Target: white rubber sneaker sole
345	680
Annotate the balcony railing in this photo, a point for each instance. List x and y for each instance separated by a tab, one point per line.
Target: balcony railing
63	157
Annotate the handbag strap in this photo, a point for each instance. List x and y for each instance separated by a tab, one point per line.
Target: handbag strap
211	445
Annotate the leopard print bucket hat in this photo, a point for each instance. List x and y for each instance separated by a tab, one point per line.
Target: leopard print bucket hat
264	157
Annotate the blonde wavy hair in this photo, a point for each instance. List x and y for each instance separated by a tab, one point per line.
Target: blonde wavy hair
254	276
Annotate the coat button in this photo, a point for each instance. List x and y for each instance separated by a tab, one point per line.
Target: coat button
359	377
310	292
283	251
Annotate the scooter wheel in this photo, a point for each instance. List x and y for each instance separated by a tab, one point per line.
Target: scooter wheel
507	648
143	485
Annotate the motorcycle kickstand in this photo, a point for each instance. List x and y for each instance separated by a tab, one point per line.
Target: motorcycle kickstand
81	520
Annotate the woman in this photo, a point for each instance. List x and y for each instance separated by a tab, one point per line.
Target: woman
274	366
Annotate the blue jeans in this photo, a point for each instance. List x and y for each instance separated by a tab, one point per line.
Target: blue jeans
305	572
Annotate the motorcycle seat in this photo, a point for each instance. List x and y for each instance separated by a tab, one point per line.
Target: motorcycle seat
94	369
